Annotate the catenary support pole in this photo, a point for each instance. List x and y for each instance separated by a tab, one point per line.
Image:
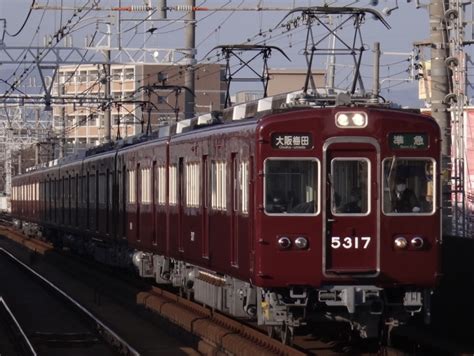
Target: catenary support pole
439	109
190	61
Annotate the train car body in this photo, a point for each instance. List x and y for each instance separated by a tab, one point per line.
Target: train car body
278	214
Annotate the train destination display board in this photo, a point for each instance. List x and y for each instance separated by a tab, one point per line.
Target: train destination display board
408	141
292	141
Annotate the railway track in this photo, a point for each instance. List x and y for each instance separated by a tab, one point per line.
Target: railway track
48	321
213	331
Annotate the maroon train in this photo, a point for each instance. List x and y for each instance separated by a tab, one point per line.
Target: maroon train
281	213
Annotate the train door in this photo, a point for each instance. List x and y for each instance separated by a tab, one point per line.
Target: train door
351	207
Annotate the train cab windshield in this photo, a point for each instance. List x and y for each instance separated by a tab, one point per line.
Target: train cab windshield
350	181
291	186
408	186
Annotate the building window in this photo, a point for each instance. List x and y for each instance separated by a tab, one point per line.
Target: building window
116	74
131	187
81	120
173	184
192	185
129	74
218	185
82	76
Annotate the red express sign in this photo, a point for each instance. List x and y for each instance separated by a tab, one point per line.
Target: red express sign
292	141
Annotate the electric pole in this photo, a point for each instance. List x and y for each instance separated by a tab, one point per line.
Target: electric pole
189	60
108	93
439	108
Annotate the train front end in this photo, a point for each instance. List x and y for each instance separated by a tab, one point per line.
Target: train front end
347	222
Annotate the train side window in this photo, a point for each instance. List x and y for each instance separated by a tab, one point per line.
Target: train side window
291	186
146	186
408	186
192	185
218	185
162	185
102	188
244	187
350	186
173	185
131	187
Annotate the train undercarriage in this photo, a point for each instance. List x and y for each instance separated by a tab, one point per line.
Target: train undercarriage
367	310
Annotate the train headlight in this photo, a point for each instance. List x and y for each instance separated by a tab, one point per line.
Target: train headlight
353	120
342	120
284	242
359	120
417	242
400	243
301	243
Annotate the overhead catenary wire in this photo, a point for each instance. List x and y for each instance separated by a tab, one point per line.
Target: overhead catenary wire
24	22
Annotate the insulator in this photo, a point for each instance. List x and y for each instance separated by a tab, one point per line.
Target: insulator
141	8
184	8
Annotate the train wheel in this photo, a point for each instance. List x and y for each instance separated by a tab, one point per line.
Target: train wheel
272	331
286	334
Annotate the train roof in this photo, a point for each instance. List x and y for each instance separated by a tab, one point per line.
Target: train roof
322	98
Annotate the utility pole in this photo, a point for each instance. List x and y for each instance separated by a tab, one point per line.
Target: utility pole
189	60
62	140
108	93
439	108
162	4
376	72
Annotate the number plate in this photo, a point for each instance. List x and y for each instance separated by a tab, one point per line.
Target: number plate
350	242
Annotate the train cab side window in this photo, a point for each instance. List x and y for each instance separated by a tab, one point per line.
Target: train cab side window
350	186
408	186
291	186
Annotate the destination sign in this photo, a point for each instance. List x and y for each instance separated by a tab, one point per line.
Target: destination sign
408	141
292	141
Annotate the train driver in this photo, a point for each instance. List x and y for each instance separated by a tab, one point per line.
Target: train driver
404	200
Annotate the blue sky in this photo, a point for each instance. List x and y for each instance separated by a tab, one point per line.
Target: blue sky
408	25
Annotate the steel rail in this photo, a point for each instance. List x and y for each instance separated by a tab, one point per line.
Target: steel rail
17	325
101	326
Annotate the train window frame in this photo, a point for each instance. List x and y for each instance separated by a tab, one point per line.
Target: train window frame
173	185
435	190
145	191
218	185
317	187
162	185
244	168
334	212
131	196
192	177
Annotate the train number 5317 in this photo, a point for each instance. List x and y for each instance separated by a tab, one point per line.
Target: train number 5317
350	242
